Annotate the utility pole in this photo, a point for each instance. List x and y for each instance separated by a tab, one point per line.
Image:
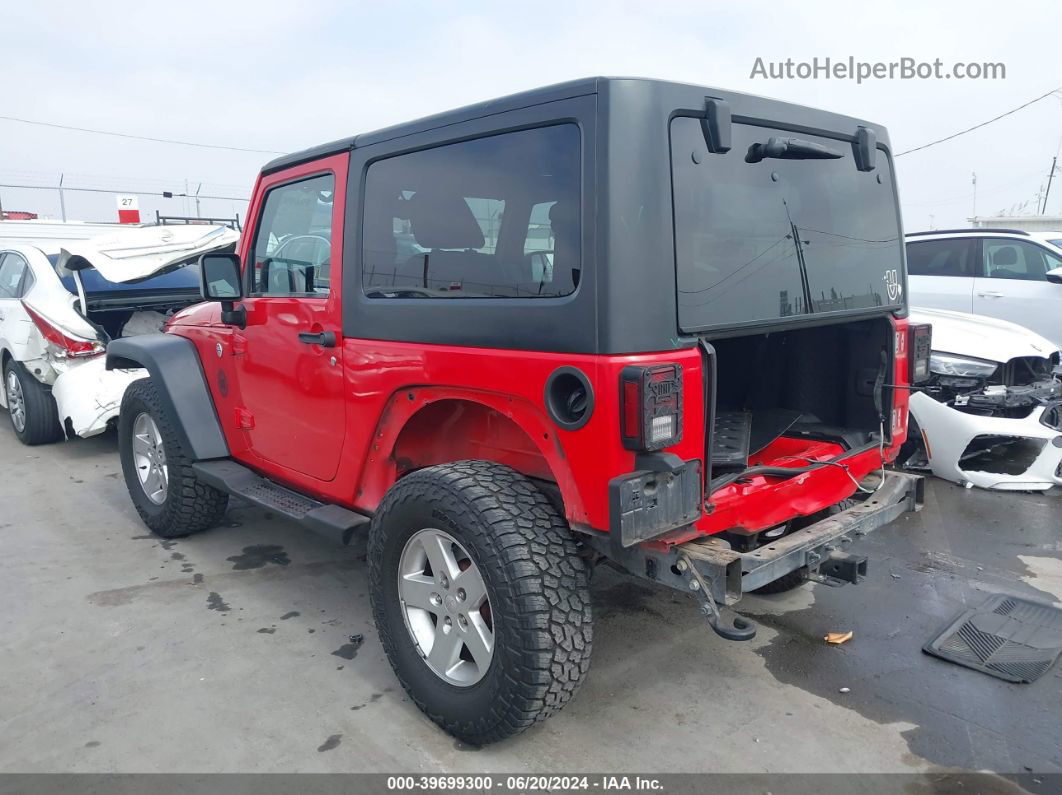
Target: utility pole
1050	176
62	198
975	198
197	213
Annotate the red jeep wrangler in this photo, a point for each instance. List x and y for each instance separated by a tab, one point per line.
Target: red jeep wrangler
611	320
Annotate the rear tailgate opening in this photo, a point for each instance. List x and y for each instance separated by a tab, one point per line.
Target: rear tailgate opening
798	424
779	392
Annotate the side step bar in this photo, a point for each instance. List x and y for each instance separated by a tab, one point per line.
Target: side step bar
332	521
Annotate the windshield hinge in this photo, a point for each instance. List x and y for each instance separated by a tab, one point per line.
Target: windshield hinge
865	148
716	125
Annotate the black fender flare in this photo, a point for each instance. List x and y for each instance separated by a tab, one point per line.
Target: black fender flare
174	366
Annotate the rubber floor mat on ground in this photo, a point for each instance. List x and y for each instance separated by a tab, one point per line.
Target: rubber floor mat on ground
1007	637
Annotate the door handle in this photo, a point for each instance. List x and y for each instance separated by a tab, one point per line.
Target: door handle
326	339
990	295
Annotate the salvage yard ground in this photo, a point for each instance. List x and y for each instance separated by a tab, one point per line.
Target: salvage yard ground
251	648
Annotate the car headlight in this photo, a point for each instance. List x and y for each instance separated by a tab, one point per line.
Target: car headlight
962	366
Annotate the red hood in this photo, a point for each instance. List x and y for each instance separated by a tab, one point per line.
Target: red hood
207	313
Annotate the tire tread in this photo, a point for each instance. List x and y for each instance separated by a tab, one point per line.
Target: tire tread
191	506
547	585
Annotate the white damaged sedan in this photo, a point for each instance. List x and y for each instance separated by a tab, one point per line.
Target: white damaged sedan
991	413
59	307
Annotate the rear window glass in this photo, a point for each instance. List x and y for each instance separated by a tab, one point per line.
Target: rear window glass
494	217
183	279
759	241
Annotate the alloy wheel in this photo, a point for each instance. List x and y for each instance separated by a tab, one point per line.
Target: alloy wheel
149	457
445	607
16	401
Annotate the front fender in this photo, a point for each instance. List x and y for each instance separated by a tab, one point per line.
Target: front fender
174	366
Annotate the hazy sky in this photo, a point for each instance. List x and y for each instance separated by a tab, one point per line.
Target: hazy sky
285	75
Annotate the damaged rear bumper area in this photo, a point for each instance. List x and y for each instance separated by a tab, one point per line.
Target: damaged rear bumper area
994	452
826	551
88	396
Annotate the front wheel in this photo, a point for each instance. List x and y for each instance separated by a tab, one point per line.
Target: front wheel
158	471
480	598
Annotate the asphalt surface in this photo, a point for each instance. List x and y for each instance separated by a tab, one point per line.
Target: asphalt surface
232	651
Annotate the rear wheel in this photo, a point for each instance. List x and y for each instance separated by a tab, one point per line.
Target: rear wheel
788	582
30	406
158	471
480	598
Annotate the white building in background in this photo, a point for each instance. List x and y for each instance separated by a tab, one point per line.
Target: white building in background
1026	223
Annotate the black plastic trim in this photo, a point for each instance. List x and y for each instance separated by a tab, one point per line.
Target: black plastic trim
173	364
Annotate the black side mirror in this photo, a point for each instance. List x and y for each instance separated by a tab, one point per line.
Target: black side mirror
219	276
1054	275
219	280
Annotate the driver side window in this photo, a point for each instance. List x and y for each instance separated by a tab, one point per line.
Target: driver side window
293	242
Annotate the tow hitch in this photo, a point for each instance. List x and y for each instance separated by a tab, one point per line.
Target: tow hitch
717	575
741	629
840	568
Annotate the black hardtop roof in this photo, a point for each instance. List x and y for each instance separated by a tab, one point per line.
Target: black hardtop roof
747	107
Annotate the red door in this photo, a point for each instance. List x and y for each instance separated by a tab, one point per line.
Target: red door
288	360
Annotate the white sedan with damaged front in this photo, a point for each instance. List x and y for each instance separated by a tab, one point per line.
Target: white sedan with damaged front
991	413
59	307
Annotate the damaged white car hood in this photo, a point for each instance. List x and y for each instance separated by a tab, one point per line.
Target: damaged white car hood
130	254
981	337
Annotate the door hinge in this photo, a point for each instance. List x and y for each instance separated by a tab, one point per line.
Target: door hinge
244	419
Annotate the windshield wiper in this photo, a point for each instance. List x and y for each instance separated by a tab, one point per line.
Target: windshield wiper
790	149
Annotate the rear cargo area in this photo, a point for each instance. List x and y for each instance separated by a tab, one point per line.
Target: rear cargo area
780	392
805	400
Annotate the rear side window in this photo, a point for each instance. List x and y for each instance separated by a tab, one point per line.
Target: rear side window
1016	259
940	258
182	279
12	270
494	217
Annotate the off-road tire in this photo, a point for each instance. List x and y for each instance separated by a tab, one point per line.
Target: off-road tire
190	505
536	582
788	582
42	415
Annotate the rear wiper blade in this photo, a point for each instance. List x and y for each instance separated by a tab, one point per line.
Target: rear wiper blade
790	149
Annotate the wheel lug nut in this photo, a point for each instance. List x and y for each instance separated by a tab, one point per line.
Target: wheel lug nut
435	599
460	594
462	621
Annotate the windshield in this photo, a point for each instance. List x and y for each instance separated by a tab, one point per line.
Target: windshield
183	279
779	238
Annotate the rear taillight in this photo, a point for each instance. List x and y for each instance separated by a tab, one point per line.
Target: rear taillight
651	410
919	348
67	346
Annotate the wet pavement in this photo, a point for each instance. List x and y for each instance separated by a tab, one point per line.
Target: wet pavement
251	648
